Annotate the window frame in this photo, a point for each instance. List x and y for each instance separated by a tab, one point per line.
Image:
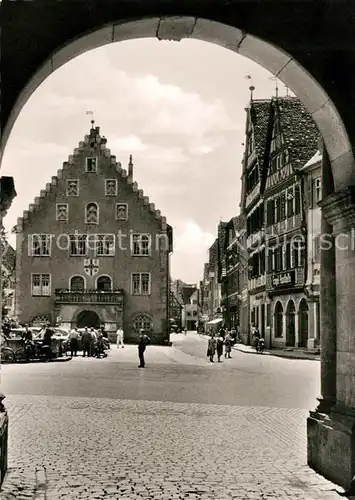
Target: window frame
56	212
116	187
66	190
41	294
98	213
71	237
87	163
140	254
48	240
97	237
140	293
116	211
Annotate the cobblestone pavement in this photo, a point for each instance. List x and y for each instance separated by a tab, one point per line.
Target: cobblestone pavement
90	448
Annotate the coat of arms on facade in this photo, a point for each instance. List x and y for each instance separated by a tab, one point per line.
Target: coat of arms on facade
91	266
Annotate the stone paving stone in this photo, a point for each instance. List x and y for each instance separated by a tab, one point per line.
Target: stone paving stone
84	448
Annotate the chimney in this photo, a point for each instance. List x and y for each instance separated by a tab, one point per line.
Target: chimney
130	168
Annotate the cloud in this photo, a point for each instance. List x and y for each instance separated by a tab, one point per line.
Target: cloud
191	239
130	143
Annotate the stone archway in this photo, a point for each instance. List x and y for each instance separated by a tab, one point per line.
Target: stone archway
303	324
290	324
88	319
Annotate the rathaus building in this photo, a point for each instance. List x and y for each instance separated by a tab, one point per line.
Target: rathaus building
92	250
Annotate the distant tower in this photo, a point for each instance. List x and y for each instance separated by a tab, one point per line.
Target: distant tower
130	168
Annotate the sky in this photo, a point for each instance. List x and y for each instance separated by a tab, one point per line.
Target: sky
178	108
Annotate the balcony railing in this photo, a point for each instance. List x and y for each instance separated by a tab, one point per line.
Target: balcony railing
257	282
256	238
286	225
64	296
253	194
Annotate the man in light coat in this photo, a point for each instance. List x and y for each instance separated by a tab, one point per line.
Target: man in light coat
120	337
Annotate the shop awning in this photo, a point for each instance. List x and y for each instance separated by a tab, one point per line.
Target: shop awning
214	321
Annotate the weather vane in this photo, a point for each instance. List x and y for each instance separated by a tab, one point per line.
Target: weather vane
92	120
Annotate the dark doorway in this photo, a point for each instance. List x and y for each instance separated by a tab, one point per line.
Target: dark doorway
290	324
262	321
89	319
77	283
303	324
278	320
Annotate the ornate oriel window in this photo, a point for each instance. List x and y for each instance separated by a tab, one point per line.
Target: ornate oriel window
142	321
111	187
92	213
121	211
62	212
72	187
91	164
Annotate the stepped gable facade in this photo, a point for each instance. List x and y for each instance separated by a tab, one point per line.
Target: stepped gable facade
93	250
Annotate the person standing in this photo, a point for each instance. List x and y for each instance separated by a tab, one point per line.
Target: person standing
211	349
86	342
219	347
228	345
142	344
73	342
120	337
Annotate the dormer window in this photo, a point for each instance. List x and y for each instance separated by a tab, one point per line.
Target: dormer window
91	164
92	213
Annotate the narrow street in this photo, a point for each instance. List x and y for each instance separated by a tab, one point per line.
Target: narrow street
183	428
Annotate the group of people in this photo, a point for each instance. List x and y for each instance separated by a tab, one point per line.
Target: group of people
92	342
216	343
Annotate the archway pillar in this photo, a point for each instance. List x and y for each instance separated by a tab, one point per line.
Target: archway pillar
331	428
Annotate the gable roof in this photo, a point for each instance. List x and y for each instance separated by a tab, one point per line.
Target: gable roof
299	130
123	176
259	113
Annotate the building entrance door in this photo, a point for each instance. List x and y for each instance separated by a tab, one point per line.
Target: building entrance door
303	324
290	324
262	320
89	319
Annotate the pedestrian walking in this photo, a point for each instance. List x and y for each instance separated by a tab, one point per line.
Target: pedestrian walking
73	339
211	349
142	344
120	337
219	348
227	345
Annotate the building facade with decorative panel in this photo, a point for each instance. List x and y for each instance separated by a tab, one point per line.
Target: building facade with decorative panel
92	250
291	141
252	209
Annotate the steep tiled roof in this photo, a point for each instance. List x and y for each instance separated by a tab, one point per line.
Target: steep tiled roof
299	130
316	158
260	111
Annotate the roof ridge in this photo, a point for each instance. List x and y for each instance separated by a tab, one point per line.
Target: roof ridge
33	207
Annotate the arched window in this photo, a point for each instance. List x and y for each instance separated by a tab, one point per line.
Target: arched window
104	284
142	321
92	213
77	283
278	317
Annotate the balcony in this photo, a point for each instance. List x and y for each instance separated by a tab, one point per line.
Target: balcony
257	282
253	195
255	238
63	296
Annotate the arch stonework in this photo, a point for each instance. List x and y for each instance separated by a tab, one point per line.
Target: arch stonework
318	67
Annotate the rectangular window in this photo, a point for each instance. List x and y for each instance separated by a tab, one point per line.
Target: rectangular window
62	212
111	187
290	197
105	244
141	245
297	199
283	206
91	164
288	256
72	187
140	284
40	245
41	284
317	190
77	245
